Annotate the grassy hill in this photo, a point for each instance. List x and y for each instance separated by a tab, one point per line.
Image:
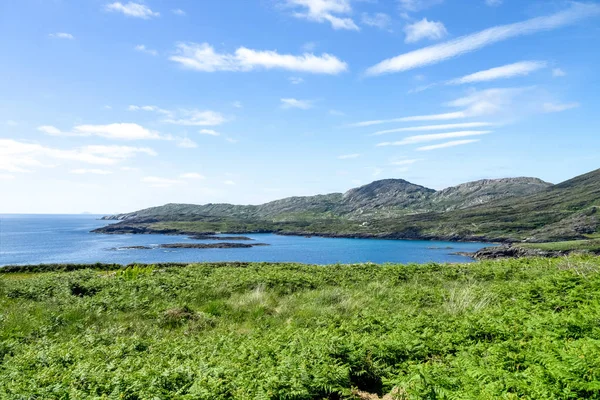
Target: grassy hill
514	209
510	329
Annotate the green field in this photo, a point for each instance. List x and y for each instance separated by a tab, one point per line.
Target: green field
512	329
571	245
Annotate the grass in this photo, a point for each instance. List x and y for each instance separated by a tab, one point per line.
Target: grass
511	329
571	245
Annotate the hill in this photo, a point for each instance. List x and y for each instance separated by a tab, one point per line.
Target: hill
511	209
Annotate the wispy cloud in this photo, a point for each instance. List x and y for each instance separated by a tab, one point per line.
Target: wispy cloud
231	140
493	3
295	103
149	108
203	57
432	137
378	20
325	11
424	29
506	71
348	156
210	132
125	131
17	156
431	117
143	49
337	113
229	182
158	182
131	9
447	144
553	107
295	80
178	11
557	72
61	35
417	5
434	127
398	163
237	104
185	143
195	117
454	48
191	175
93	171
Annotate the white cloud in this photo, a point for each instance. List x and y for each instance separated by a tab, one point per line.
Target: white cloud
237	104
487	102
10	122
348	156
457	47
50	130
447	144
417	5
229	182
83	171
552	107
149	108
186	143
159	182
295	103
493	3
309	47
506	71
196	117
62	35
377	171
431	117
191	175
557	72
231	140
433	137
143	49
18	156
208	132
378	20
125	131
325	11
131	9
202	57
405	162
178	11
424	29
6	177
434	127
337	113
295	80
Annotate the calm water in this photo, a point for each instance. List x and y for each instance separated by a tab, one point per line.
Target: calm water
34	239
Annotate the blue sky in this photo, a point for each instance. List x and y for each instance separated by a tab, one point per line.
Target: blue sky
115	106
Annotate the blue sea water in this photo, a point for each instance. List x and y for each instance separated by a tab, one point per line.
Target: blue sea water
36	239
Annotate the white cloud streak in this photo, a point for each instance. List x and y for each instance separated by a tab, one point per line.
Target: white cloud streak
454	48
62	35
210	132
348	156
448	144
325	11
191	175
203	57
432	137
552	107
93	171
506	71
131	9
178	11
430	117
378	20
557	72
124	131
143	49
434	127
424	29
295	103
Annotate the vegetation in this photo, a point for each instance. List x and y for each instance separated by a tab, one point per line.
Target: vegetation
572	245
522	209
524	328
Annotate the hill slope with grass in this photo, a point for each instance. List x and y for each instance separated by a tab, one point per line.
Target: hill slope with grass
524	328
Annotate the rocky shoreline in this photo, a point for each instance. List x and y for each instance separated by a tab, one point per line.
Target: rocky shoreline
224	245
511	251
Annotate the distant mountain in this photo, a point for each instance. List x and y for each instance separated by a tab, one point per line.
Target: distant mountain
383	198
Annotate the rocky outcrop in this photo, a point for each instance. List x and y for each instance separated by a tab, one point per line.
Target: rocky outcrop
509	251
210	246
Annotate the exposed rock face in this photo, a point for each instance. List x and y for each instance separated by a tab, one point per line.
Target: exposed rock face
483	191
